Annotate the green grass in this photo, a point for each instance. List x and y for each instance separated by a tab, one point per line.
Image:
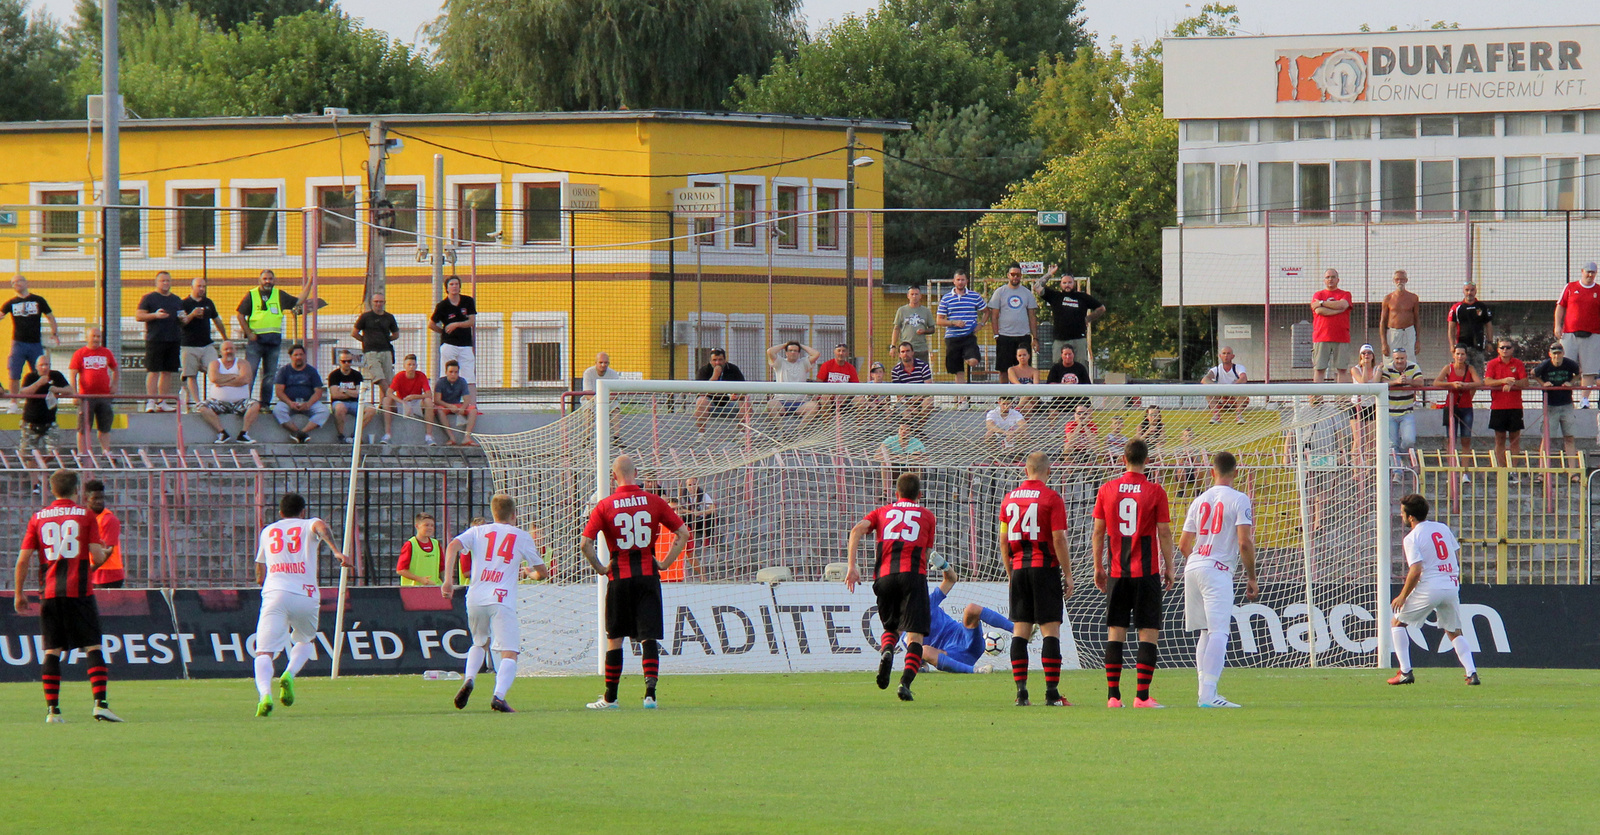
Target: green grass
1314	751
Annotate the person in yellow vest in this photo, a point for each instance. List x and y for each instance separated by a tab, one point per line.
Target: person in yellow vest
261	321
110	574
421	557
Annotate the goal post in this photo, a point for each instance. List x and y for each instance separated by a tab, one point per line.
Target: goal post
771	476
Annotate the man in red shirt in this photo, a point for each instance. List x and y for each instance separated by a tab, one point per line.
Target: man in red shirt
408	392
1330	329
1033	545
67	539
904	531
94	372
110	575
1578	322
1505	376
630	519
839	369
1132	525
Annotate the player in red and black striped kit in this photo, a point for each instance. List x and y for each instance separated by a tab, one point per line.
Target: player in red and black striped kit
630	519
904	531
1132	526
68	540
1033	544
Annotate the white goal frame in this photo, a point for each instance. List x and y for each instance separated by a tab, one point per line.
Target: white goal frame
604	389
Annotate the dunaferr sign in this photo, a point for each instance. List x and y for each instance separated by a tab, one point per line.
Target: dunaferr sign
1435	71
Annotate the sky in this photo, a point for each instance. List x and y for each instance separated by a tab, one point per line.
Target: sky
1124	20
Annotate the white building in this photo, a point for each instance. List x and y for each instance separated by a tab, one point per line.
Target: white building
1456	155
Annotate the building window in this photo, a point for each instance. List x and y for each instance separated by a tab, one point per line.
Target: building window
1200	131
132	229
1199	191
1397	127
1277	130
1352	127
1438	126
197	218
60	227
744	214
1591	122
1397	189
1524	124
1233	192
1523	190
705	227
1314	128
1475	124
260	217
1562	122
1233	130
788	224
1313	184
338	215
1477	186
1438	189
1561	184
1276	189
476	215
827	222
541	213
1591	183
1352	189
403	229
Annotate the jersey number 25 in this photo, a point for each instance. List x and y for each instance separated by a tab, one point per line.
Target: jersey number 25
903	524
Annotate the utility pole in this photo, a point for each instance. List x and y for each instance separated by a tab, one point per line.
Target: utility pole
850	238
438	252
377	197
111	190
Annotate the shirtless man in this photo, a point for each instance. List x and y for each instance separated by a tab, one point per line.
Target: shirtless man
1397	326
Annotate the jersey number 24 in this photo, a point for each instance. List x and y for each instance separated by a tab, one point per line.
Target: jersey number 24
1028	523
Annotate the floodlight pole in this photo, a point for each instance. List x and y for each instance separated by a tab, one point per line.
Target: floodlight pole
850	238
111	189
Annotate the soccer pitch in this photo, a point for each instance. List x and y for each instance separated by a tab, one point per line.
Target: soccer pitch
1313	751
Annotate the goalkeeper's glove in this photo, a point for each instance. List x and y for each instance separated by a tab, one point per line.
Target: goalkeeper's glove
937	562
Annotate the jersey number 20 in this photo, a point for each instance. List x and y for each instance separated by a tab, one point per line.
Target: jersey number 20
634	530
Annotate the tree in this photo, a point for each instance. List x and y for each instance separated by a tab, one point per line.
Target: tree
1025	32
224	14
33	66
1215	20
1070	101
605	54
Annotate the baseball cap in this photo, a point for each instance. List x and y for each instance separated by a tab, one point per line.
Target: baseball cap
876	366
1556	346
1590	267
1366	348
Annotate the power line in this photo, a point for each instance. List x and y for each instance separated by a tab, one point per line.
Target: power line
536	167
237	158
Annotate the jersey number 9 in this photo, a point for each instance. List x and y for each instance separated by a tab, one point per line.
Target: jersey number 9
1128	512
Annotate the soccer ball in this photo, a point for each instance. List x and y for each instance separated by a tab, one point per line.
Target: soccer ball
995	643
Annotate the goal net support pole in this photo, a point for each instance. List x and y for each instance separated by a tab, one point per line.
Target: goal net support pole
1380	458
349	533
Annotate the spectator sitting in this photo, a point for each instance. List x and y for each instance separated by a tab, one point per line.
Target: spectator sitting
1189	460
1068	371
913	371
1151	429
1004	425
299	391
900	449
868	406
837	370
42	387
95	372
230	377
421	560
1080	435
601	370
716	369
698	508
1226	373
409	395
1024	374
792	362
449	399
344	392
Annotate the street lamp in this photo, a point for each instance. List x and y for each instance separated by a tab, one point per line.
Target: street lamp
850	235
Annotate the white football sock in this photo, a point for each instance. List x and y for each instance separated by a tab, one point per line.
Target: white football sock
299	654
1464	652
504	673
264	675
1402	647
1211	665
474	662
1199	660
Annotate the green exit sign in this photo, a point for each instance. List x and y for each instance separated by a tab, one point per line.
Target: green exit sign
8	218
1052	219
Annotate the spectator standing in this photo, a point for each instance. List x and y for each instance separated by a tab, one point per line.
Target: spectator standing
1470	324
163	340
260	316
1403	378
454	318
1505	375
1397	323
42	388
376	330
230	377
196	349
299	390
913	322
95	375
716	369
111	574
601	370
1004	426
1226	373
912	371
792	362
1560	421
1014	316
421	560
1071	312
450	395
699	508
960	313
27	310
1330	328
1463	381
409	394
1578	322
344	393
1152	429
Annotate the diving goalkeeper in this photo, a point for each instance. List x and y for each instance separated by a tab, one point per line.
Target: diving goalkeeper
955	646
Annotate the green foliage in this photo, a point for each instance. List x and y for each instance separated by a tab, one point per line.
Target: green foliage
1069	101
180	64
1023	31
33	66
1215	20
605	54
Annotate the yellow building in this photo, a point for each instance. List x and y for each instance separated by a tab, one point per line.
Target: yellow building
560	224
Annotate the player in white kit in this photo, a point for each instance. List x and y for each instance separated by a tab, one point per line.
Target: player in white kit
286	568
498	551
1218	535
1433	586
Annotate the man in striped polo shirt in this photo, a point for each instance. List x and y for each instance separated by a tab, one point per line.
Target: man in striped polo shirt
960	314
1403	378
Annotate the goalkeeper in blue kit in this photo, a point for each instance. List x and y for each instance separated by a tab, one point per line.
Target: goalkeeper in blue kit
955	646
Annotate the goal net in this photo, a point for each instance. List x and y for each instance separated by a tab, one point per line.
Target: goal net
770	479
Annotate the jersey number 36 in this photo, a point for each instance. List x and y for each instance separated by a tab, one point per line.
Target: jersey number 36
634	530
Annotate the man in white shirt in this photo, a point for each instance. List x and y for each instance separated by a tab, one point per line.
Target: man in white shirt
286	568
1218	535
601	370
1432	587
1226	373
497	551
1004	425
792	362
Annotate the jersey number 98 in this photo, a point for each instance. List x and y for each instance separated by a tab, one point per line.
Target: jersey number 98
60	540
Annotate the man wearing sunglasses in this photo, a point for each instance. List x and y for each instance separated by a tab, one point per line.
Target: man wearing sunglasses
1505	376
1560	421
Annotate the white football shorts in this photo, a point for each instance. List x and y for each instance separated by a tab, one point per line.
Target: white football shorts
286	616
464	357
496	627
1207	599
1444	603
